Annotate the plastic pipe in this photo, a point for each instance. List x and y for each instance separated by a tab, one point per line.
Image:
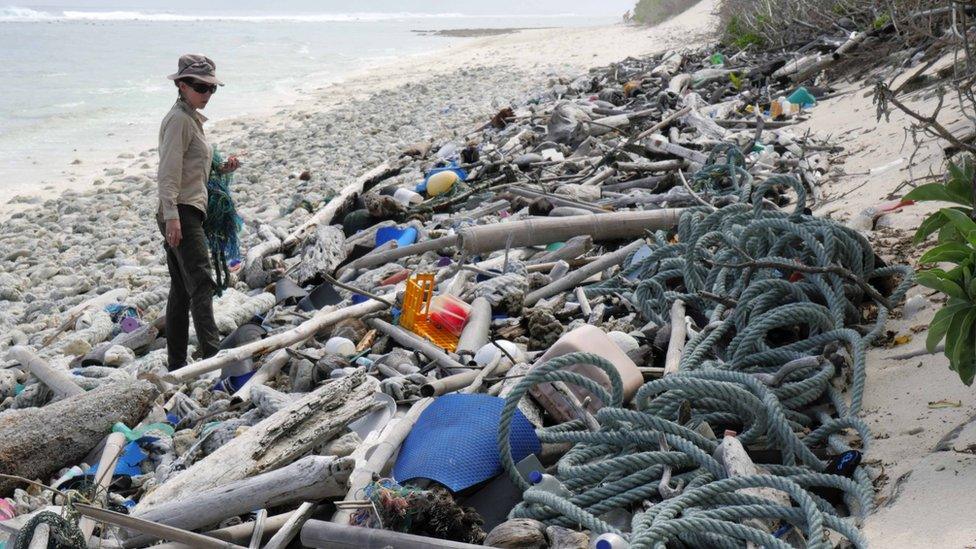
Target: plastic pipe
317	533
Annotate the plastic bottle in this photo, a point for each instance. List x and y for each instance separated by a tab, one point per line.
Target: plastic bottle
340	346
609	541
548	483
407	197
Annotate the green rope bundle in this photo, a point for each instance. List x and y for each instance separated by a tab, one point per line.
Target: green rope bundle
741	370
222	225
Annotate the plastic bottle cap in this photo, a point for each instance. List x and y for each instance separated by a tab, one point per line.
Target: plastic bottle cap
535	477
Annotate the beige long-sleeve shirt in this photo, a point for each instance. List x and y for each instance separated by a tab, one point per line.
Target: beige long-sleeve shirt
184	161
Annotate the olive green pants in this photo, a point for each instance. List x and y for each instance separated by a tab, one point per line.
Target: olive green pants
191	290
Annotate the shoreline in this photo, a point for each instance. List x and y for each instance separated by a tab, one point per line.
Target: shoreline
539	49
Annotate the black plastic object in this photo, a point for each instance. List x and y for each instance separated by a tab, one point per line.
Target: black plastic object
244	334
288	292
322	295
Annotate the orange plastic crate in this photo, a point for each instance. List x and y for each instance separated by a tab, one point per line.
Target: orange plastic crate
415	315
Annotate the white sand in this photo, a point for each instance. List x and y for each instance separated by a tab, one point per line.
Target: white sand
926	497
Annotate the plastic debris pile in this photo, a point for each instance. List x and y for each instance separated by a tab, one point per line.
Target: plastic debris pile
605	316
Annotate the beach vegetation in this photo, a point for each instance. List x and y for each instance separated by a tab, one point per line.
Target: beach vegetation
652	12
955	250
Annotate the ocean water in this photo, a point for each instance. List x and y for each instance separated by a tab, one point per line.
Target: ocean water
89	84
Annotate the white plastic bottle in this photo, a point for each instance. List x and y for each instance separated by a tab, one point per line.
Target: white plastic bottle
609	541
548	483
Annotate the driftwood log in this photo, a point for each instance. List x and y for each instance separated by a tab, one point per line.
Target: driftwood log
239	533
37	442
321	253
276	441
255	274
159	531
326	215
310	478
323	319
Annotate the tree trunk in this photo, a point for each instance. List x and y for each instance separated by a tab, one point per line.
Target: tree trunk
36	442
274	442
310	478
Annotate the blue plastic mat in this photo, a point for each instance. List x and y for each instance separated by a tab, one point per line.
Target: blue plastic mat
455	442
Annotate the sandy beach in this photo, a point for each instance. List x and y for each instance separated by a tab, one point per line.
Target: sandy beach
95	231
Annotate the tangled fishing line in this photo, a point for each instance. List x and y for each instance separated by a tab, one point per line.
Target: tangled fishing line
784	299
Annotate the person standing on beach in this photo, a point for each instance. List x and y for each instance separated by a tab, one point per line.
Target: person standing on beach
184	166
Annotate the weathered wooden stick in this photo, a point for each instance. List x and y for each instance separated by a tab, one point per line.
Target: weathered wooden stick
372	455
676	345
58	380
573	248
738	463
114	444
326	214
322	319
310	478
555	199
258	534
576	277
291	528
644	166
600	177
239	533
584	302
650	182
659	144
270	368
72	314
274	442
37	442
412	341
475	332
158	531
823	63
254	274
532	232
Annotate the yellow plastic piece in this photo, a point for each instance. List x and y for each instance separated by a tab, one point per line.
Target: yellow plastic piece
441	182
415	315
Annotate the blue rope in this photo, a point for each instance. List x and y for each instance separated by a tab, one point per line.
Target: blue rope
222	225
733	373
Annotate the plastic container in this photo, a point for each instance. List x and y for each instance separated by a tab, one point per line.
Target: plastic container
449	313
609	541
586	339
407	197
441	182
548	483
340	346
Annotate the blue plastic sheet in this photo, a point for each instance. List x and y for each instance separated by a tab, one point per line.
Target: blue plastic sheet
455	442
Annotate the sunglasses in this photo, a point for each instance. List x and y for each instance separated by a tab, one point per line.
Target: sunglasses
201	87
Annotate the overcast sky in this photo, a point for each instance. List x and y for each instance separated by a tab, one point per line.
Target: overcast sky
473	7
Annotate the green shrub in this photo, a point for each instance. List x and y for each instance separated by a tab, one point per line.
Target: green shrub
956	321
652	12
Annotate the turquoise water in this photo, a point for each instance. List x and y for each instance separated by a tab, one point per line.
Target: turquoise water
85	84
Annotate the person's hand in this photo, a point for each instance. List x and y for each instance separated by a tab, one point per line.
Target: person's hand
174	233
230	165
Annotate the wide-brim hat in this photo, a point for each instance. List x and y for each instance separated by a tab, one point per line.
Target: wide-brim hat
199	67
